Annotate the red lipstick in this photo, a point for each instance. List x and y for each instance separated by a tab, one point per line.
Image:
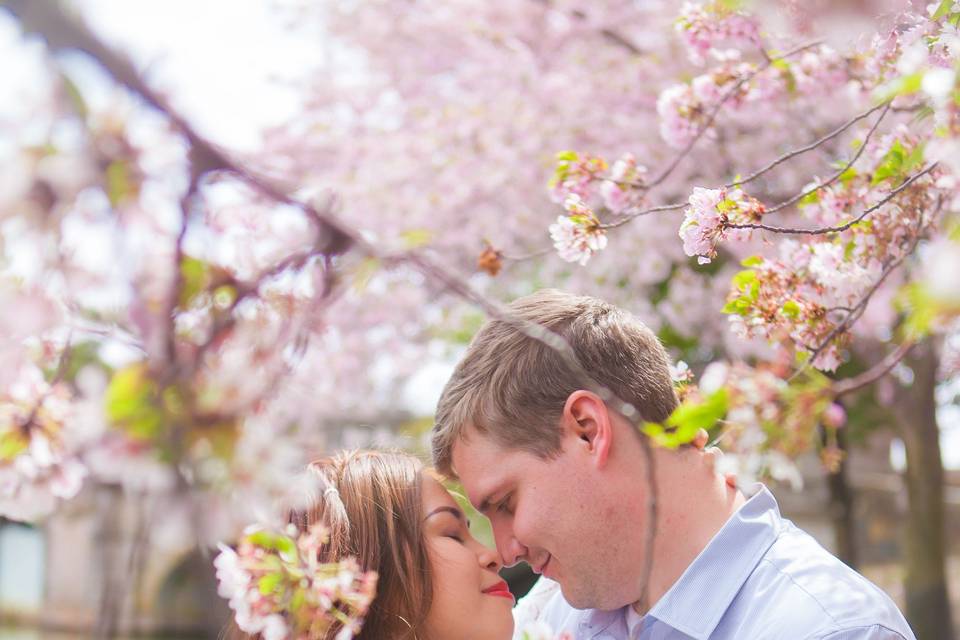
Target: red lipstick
499	589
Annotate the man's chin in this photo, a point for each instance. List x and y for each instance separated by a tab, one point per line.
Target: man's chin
578	599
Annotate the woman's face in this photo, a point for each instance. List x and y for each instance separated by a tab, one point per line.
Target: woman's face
470	600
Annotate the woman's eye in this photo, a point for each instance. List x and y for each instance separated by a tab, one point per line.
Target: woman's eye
455	536
504	506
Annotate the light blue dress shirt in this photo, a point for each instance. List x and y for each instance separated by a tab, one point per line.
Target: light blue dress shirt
759	578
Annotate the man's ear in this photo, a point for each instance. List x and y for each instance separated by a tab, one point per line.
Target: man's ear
586	418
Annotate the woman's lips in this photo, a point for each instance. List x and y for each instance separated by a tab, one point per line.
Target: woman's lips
500	589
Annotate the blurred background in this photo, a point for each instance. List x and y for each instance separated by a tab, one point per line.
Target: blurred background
128	135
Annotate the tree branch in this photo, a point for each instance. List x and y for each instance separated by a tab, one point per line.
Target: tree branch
875	372
845	226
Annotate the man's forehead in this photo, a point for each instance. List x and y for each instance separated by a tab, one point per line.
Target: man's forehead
478	466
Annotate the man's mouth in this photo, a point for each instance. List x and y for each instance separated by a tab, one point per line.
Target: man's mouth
499	589
543	566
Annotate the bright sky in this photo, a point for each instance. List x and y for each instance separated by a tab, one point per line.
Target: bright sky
223	61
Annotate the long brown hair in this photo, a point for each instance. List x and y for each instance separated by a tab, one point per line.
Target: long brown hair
371	503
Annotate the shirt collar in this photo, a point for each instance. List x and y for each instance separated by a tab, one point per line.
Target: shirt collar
695	603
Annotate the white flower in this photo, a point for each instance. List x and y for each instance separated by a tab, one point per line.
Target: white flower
938	83
274	627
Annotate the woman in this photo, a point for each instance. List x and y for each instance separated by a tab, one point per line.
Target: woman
435	581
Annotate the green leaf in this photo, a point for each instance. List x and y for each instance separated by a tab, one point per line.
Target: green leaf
119	185
567	155
942	10
811	198
752	261
130	401
891	165
901	86
743	279
791	309
269	583
914	160
12	444
849	174
415	238
682	425
76	98
364	272
195	278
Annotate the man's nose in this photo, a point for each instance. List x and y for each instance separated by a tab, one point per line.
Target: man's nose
510	549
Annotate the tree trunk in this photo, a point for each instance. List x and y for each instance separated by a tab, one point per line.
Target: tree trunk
841	504
928	608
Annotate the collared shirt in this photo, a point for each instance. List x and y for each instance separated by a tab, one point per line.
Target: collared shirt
760	577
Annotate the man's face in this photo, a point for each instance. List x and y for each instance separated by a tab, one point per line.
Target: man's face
554	514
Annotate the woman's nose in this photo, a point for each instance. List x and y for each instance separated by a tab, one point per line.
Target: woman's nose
489	559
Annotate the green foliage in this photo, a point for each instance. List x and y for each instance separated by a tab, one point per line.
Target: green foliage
691	416
896	165
565	161
791	309
120	187
900	86
943	9
131	402
12	443
747	288
416	238
271	541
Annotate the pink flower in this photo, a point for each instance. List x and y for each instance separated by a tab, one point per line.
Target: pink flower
700	230
834	416
617	192
577	236
706	27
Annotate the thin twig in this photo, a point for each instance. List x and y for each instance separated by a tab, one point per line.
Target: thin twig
845	226
811	146
627	217
836	176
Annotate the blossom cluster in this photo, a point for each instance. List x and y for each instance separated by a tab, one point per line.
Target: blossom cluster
577	235
704	28
277	586
706	221
768	421
685	110
36	466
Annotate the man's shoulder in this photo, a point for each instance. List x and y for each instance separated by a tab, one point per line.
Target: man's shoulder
800	578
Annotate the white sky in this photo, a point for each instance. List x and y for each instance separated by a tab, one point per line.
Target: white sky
222	61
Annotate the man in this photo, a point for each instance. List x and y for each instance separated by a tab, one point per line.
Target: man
563	479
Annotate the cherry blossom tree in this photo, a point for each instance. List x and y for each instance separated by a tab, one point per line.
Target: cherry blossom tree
772	187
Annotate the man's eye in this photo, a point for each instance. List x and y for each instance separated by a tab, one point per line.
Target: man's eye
504	506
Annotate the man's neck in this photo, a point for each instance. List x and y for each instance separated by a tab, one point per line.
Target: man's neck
686	526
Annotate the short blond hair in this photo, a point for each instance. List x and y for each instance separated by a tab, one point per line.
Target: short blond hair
513	387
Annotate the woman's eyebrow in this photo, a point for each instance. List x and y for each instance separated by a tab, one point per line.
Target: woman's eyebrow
447	509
